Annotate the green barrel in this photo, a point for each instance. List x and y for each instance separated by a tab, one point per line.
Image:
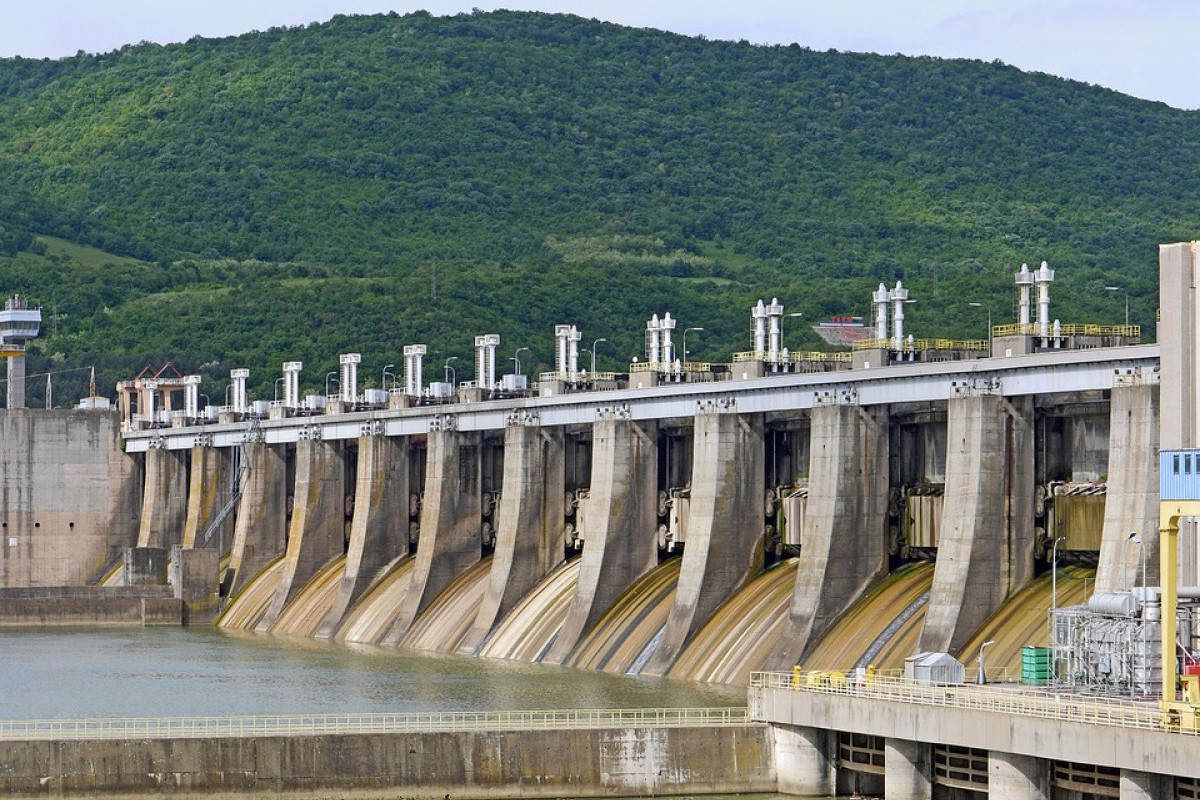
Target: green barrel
1037	666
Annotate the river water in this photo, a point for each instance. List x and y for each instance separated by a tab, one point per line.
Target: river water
173	672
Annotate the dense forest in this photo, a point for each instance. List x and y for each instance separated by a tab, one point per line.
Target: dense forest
375	181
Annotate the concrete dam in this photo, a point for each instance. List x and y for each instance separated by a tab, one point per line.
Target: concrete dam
692	520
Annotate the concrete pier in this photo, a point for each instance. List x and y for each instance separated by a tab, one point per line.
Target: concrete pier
985	547
619	543
529	531
379	527
164	501
450	523
804	762
317	530
1018	777
260	533
1131	500
208	479
725	525
908	769
845	531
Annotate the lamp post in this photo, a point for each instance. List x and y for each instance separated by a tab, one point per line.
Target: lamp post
1119	289
685	350
383	377
517	360
1054	574
448	371
989	317
982	675
277	382
328	375
594	343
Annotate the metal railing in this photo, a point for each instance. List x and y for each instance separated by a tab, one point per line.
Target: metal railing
793	357
1004	699
918	345
337	724
1073	329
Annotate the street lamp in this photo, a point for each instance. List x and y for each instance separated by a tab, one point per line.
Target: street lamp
328	375
594	343
277	382
1054	573
383	377
517	360
782	344
1119	289
989	315
982	676
685	333
448	371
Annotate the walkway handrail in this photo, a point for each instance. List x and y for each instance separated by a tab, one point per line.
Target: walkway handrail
1006	698
400	722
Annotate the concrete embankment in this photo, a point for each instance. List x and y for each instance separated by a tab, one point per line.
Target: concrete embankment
479	764
89	605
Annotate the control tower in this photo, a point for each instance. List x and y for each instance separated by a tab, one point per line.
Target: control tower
18	324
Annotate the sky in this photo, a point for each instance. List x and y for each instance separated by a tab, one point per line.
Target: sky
1138	47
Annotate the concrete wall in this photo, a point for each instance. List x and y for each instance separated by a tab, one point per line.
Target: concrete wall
93	606
563	763
70	499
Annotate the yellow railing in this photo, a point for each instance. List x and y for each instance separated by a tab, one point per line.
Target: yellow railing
660	367
1001	698
792	357
403	722
923	344
1031	329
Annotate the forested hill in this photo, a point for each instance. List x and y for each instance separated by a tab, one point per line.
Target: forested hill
375	181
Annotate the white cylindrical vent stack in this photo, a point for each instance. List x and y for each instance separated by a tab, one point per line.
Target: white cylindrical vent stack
881	298
758	316
485	360
1024	283
573	337
349	382
149	390
191	396
561	333
775	321
1043	277
899	298
653	339
666	325
413	366
237	379
291	384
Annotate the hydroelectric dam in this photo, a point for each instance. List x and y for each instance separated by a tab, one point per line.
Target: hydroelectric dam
826	513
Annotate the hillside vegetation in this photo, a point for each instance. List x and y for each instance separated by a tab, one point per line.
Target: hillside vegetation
375	181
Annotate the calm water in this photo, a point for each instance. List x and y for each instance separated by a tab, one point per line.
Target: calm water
169	672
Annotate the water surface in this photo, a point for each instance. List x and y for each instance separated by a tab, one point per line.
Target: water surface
172	672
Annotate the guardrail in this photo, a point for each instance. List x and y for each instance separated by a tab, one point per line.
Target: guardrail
402	722
1003	698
